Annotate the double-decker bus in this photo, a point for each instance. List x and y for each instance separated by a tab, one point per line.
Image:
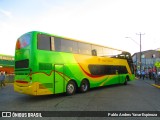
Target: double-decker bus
51	64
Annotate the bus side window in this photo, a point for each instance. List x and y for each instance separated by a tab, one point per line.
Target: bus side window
57	43
69	46
75	46
99	50
84	48
44	42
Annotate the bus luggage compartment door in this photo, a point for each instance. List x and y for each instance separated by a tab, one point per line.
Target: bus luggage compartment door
59	83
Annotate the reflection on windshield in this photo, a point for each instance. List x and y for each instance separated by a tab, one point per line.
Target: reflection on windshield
23	41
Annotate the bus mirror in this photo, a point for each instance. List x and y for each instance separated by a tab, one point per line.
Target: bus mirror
94	52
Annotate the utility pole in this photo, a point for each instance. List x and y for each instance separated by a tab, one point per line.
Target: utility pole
140	34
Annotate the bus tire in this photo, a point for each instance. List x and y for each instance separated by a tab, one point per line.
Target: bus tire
84	87
126	81
70	88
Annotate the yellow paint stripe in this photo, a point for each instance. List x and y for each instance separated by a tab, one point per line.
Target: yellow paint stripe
157	86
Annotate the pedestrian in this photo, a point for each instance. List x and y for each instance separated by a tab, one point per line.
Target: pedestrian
2	79
139	74
150	73
154	73
143	74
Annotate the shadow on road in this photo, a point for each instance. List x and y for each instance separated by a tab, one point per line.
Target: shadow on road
32	99
8	93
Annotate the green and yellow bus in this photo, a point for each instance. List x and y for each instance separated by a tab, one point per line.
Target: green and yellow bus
51	64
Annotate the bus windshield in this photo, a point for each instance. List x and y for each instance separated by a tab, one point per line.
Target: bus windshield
23	41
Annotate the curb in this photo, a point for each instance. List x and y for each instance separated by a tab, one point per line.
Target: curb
136	78
157	86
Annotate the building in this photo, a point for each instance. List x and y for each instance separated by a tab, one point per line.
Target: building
7	63
149	59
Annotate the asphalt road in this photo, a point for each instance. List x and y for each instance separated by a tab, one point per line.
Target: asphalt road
138	95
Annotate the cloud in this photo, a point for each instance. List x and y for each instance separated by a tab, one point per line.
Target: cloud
103	22
6	13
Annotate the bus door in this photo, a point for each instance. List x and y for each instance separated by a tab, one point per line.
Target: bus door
59	83
120	76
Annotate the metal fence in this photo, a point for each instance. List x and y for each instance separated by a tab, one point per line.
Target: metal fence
9	78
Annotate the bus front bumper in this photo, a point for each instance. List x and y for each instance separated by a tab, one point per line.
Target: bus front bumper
30	90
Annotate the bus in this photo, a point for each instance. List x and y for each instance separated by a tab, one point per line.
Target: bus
51	64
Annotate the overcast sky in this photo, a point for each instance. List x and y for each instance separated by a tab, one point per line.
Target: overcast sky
104	22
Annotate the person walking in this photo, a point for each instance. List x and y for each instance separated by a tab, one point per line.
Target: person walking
143	74
2	79
150	74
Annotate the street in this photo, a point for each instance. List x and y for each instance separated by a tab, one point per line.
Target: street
138	95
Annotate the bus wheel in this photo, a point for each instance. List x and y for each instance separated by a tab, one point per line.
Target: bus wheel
71	88
84	86
126	81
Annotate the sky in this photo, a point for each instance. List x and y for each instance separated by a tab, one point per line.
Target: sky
112	23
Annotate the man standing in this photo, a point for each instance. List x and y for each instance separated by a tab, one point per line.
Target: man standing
143	74
2	78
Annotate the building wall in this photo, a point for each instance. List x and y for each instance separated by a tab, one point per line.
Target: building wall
7	63
8	70
148	59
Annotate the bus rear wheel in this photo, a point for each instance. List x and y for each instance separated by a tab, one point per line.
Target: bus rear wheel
71	88
84	87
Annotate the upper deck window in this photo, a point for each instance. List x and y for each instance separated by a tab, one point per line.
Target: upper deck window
23	41
53	43
98	49
84	48
65	45
44	42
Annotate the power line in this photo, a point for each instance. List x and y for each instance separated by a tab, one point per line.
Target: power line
133	40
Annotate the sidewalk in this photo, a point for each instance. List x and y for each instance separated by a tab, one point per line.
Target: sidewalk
151	82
